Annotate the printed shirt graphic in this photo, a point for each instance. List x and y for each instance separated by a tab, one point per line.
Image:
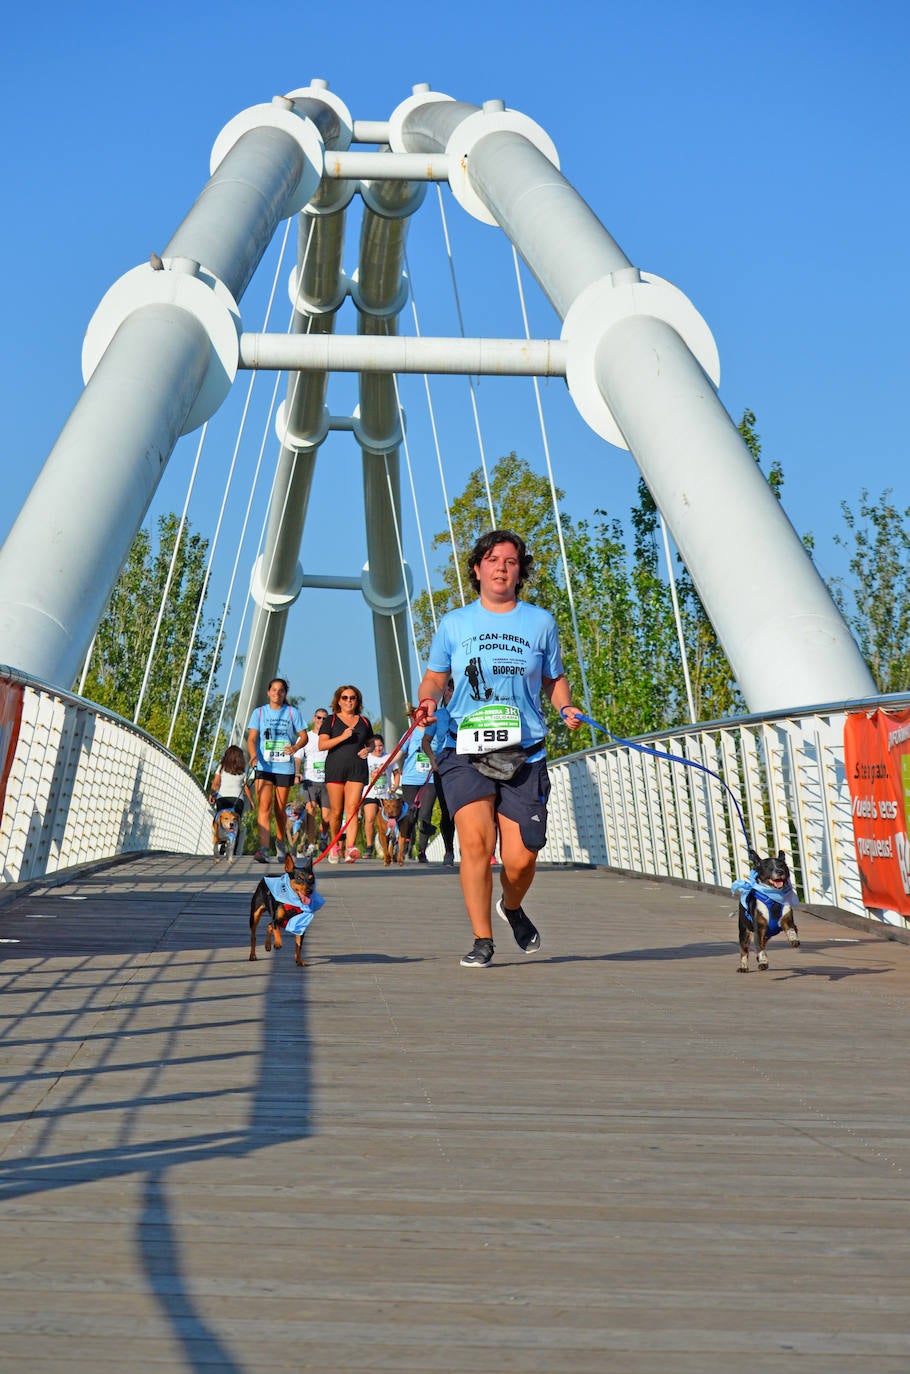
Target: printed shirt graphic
416	768
382	787
498	658
277	732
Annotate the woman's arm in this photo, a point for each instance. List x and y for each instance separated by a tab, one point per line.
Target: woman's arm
560	698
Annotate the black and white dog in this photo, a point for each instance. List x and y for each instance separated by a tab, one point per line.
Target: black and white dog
766	905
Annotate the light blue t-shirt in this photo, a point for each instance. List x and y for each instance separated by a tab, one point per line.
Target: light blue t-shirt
278	729
498	657
416	768
441	739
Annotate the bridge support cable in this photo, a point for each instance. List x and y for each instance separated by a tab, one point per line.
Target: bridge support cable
213	547
267	428
417	520
450	256
557	515
456	558
642	369
159	357
168	581
243	528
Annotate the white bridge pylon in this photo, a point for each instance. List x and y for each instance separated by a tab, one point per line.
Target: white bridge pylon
166	342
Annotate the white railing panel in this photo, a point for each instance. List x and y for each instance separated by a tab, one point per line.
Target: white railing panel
85	785
659	817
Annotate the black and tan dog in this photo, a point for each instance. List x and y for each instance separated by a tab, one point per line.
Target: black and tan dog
282	897
392	841
766	905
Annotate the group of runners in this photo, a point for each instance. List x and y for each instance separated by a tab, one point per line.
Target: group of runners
477	745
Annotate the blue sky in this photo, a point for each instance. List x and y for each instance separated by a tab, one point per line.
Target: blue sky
753	155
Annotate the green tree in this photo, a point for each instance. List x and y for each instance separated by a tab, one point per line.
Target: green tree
876	604
524	503
124	639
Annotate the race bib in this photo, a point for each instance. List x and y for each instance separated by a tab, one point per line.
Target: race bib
318	767
489	728
276	751
421	763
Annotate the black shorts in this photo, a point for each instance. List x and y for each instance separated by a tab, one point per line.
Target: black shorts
523	799
276	779
350	770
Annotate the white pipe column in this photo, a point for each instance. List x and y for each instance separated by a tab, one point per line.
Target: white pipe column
380	293
317	290
65	551
642	369
159	357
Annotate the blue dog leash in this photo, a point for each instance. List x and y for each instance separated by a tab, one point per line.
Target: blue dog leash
673	758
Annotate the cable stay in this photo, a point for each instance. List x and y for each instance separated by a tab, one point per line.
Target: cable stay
214	542
556	512
477	430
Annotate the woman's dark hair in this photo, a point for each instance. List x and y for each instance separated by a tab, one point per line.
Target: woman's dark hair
486	542
283	681
233	761
347	687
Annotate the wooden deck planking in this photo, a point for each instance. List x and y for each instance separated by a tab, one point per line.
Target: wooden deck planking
615	1155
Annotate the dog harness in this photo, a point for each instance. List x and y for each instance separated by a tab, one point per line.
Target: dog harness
774	899
393	822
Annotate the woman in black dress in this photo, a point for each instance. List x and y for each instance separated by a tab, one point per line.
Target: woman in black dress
345	736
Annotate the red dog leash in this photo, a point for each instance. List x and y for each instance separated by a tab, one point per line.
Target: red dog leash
422	714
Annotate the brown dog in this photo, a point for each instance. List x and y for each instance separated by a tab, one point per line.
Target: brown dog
390	836
268	898
225	827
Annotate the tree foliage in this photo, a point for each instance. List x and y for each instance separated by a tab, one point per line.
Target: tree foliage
876	604
124	638
623	605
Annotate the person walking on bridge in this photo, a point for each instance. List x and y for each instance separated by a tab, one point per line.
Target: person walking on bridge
274	732
501	653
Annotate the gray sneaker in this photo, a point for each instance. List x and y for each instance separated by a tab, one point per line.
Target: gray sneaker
479	956
280	852
527	936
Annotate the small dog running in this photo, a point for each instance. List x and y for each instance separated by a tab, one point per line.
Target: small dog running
290	901
766	905
225	826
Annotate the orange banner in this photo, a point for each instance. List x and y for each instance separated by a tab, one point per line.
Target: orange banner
877	759
11	694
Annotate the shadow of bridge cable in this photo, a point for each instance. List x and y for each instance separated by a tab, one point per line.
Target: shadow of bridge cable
167	1280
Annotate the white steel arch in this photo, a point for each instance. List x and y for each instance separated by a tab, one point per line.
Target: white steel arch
167	340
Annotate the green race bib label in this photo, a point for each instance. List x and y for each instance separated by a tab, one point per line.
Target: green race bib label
490	727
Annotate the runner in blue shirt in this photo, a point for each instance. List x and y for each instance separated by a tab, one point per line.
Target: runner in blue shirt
501	653
274	732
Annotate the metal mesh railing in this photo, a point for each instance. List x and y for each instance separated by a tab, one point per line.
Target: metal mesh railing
83	785
618	807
